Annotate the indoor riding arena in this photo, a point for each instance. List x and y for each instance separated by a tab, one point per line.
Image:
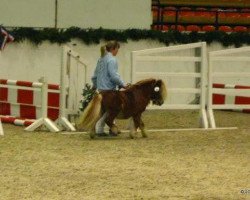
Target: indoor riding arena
166	165
192	142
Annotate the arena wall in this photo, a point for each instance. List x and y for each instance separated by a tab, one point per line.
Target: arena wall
27	13
112	14
24	61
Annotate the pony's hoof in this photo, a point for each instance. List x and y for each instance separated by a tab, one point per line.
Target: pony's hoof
144	135
114	130
131	135
92	135
77	127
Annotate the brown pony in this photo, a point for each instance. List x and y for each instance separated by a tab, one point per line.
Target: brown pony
131	102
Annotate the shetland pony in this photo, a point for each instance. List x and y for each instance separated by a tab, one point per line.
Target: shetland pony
131	102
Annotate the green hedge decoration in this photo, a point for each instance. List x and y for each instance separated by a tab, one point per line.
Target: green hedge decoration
88	93
94	36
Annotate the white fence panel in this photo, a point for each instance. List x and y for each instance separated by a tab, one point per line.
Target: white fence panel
183	68
232	68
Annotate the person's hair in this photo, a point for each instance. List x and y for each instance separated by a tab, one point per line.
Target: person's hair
103	50
111	45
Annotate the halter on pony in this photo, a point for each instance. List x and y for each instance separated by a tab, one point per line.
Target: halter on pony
131	102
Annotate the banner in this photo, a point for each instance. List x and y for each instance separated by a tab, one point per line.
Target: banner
5	37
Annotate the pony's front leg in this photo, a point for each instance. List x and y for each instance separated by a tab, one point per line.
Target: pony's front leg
133	130
142	127
131	127
138	123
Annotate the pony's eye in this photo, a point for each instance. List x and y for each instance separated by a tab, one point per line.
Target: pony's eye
156	89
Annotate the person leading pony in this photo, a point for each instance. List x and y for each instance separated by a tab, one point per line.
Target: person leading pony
106	77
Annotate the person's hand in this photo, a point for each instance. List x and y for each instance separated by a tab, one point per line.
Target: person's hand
128	85
125	87
122	89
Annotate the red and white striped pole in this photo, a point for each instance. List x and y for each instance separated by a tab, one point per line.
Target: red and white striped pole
16	121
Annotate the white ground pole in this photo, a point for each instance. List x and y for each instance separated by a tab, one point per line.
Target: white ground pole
44	120
150	55
1	129
229	55
67	107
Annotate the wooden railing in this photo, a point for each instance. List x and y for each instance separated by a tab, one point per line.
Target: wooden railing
208	3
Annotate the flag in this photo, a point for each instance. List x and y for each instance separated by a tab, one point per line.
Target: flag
5	37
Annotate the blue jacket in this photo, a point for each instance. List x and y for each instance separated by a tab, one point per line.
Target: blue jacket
106	75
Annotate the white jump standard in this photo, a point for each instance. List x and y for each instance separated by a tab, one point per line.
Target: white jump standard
44	120
1	128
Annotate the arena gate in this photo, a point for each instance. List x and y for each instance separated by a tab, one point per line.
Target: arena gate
228	85
184	70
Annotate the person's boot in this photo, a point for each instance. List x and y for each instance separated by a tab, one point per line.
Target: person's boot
112	133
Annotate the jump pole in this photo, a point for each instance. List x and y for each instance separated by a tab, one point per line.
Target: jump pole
62	121
44	120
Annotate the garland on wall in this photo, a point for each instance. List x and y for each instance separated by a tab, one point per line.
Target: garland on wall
94	36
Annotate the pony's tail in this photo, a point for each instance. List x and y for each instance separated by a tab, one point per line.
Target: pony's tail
91	114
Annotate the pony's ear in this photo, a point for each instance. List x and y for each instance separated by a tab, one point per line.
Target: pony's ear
158	82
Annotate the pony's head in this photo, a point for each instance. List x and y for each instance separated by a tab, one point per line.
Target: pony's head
158	93
154	89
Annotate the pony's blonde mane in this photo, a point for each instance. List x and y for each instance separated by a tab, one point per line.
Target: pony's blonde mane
149	80
163	90
142	82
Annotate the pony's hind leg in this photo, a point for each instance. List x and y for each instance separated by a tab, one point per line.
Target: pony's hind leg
92	133
110	122
97	126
